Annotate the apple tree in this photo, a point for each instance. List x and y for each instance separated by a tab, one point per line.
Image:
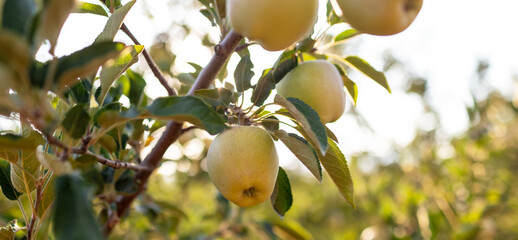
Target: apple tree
84	117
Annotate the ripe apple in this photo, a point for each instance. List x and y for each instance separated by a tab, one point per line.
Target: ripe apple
242	163
274	24
319	84
378	17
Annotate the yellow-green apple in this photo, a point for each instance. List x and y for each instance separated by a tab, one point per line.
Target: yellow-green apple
319	84
242	163
378	17
274	24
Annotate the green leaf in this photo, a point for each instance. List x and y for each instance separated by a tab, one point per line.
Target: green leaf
80	92
16	142
351	87
137	85
271	124
48	196
74	218
209	14
264	87
308	120
84	7
336	165
17	15
281	197
25	172
368	70
76	121
349	33
191	109
303	151
243	74
79	64
216	96
112	70
5	181
52	19
114	23
24	165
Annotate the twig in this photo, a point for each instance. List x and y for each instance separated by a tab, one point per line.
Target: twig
151	63
32	222
174	129
118	164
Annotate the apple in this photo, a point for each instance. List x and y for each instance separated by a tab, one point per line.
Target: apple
274	24
378	17
242	163
319	84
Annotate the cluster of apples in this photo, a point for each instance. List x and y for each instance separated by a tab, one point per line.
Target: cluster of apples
242	162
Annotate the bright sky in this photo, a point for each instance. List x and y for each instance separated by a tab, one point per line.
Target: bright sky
443	46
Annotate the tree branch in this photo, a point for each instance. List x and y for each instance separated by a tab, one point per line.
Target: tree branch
152	65
118	164
174	129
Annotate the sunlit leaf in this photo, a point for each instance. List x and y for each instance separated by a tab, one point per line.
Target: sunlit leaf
303	151
351	87
113	69
114	23
52	19
336	165
74	218
5	181
186	108
85	7
79	64
281	197
349	33
243	74
368	70
308	120
25	172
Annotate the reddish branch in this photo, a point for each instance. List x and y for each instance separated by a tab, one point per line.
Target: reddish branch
174	129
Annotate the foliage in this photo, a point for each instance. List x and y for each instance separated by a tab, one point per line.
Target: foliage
76	167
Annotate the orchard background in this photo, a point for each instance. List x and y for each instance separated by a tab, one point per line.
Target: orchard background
435	159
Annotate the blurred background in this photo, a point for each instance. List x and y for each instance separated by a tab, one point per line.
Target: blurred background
436	159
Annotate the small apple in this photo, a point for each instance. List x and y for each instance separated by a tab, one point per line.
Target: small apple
319	84
274	24
378	17
242	163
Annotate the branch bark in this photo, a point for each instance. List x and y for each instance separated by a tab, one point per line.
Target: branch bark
174	129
